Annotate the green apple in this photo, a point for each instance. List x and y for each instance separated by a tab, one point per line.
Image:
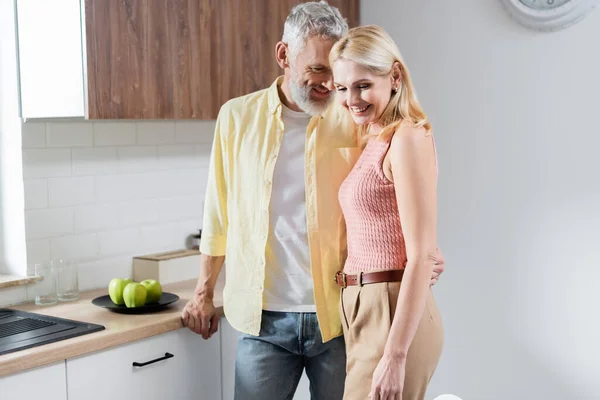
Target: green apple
134	295
153	290
115	290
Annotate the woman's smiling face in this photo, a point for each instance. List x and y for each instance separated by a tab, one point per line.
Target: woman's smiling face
359	90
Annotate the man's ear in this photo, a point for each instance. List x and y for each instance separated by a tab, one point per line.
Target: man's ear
282	55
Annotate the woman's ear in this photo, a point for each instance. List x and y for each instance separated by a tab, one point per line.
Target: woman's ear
282	55
396	74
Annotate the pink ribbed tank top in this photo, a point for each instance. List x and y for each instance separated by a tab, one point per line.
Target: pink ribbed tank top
368	202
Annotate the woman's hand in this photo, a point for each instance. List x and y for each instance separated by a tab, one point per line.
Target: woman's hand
388	379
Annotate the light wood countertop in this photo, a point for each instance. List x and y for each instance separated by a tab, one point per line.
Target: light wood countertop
119	328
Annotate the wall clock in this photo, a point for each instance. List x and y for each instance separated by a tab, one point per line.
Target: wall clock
549	15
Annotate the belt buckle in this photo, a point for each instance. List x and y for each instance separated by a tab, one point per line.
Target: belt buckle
360	279
344	282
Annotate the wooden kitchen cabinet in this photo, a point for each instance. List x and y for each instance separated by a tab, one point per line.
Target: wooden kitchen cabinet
148	59
193	372
155	59
48	383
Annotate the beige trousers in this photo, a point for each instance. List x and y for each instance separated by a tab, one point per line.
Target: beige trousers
367	314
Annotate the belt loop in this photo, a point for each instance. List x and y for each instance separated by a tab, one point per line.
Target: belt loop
360	277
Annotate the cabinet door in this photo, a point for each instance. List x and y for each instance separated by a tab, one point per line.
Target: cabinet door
48	383
229	339
50	58
193	372
157	59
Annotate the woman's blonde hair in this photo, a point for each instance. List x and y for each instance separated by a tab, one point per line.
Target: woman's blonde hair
372	48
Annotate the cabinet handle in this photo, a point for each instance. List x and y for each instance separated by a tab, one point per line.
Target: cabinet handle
166	356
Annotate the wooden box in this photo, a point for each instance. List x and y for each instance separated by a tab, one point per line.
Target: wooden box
168	267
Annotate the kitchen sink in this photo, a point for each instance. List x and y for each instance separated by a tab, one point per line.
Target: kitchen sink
21	330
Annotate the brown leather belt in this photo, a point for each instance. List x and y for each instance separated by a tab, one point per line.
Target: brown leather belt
364	278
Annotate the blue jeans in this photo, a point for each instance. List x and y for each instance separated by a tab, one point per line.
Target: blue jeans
269	366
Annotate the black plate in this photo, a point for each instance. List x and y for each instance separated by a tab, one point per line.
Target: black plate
165	300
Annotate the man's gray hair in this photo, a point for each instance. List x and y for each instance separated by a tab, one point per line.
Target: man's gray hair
311	19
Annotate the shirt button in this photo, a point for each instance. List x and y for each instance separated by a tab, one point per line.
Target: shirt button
263	237
259	287
262	263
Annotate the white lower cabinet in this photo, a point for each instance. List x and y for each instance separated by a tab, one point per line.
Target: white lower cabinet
48	383
175	365
229	339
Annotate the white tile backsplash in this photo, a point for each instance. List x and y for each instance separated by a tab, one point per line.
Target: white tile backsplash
103	192
138	159
46	163
49	222
179	156
181	182
98	273
71	191
138	212
36	193
13	295
34	135
157	238
75	247
97	217
124	241
184	207
156	132
114	133
38	251
69	134
194	132
95	161
124	187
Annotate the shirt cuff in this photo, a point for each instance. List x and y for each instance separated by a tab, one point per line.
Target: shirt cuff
213	245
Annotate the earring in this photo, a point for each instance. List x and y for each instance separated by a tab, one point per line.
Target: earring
395	90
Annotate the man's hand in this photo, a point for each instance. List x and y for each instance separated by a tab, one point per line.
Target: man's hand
438	268
199	316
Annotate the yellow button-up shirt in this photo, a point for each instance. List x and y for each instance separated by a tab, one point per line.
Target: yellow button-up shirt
248	135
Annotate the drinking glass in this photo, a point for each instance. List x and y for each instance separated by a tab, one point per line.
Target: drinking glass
45	289
67	280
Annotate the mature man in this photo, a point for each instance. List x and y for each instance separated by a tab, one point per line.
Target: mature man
278	159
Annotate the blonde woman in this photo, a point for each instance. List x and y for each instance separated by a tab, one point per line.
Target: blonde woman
392	326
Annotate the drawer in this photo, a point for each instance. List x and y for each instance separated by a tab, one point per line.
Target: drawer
174	365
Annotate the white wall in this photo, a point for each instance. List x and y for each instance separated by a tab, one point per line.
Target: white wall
515	115
99	193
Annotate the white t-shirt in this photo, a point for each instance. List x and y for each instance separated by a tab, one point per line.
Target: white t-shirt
288	277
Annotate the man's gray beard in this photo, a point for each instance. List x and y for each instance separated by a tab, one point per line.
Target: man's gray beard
301	96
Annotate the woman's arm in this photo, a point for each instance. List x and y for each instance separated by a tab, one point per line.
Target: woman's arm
414	172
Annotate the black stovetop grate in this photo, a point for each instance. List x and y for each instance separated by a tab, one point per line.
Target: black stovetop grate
20	330
22	326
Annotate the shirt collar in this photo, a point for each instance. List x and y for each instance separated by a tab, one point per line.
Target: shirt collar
273	95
